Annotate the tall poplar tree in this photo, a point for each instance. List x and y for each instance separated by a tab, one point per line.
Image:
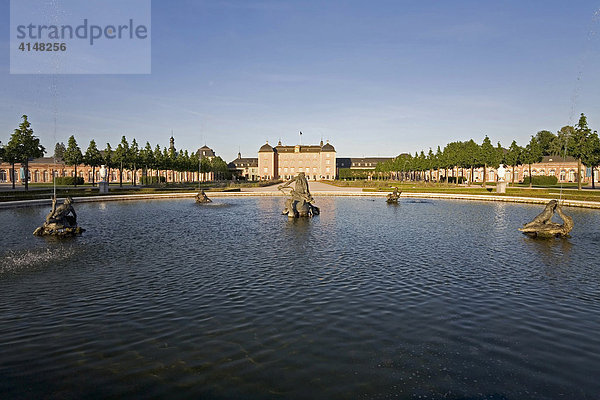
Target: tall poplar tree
579	145
72	156
591	157
23	145
531	155
489	156
93	158
514	157
121	157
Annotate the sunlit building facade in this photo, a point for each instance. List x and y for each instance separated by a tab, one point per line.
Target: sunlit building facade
284	162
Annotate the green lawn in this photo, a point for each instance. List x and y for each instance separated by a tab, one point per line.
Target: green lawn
551	192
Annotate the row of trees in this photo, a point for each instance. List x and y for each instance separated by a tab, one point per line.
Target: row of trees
131	157
577	141
23	146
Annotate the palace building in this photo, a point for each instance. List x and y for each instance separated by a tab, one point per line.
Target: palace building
284	162
563	168
244	168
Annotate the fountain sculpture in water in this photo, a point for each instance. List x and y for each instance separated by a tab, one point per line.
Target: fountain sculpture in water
300	202
392	198
201	197
543	226
61	221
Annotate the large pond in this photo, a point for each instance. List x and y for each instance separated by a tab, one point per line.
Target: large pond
427	299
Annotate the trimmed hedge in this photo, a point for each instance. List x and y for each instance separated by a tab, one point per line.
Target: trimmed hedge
452	179
541	180
68	180
347	173
151	180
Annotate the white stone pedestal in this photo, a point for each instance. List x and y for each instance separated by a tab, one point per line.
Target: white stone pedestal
103	186
501	187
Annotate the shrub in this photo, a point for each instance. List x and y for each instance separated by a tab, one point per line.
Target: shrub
347	173
152	180
541	180
68	180
452	179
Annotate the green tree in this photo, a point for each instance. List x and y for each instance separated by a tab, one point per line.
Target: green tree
431	163
134	158
489	157
158	161
147	159
439	163
121	157
195	163
562	141
514	157
452	158
23	145
472	157
11	156
72	156
591	157
93	158
545	139
59	151
531	155
167	163
579	144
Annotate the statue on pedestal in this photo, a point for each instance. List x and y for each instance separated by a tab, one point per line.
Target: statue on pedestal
201	197
501	173
542	225
300	202
61	221
393	197
103	184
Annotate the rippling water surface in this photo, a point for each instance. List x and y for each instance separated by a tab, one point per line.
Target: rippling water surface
427	299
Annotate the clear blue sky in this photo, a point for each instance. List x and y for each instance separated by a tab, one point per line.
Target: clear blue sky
376	78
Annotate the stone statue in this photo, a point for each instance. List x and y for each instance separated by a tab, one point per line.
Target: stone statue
61	221
201	197
300	202
392	198
501	173
543	226
103	173
103	184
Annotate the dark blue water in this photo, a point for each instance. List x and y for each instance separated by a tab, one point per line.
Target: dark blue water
427	299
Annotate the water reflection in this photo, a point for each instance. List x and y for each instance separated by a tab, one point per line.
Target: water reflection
551	251
500	220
